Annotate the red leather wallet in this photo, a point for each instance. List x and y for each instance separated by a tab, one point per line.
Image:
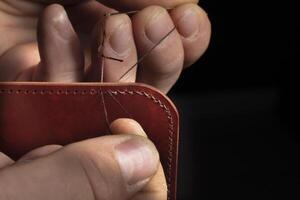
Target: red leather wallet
37	114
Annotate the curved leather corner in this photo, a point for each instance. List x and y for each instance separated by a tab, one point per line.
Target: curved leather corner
37	114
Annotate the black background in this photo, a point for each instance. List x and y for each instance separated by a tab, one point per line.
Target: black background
238	105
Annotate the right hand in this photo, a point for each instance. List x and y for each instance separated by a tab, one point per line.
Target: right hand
119	167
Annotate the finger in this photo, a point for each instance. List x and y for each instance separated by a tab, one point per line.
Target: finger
5	161
60	51
18	62
125	126
111	167
118	52
195	29
157	187
162	67
40	152
140	4
84	16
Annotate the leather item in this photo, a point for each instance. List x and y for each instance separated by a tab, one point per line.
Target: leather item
37	114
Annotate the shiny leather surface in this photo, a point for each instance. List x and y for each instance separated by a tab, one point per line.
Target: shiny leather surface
37	114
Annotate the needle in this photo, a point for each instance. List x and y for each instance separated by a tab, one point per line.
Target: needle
111	58
147	53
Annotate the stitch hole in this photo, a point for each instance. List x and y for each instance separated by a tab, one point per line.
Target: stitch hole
83	92
75	92
93	92
26	92
50	92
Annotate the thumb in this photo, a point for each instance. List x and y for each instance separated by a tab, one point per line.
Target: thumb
110	167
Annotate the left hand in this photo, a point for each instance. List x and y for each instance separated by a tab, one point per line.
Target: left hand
39	43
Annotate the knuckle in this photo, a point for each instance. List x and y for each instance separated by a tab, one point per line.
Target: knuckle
97	169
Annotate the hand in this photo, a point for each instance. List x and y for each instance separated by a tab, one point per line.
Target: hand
118	167
39	43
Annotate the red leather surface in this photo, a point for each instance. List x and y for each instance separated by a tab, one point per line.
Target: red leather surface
37	114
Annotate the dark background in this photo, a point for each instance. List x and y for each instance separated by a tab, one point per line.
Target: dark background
238	105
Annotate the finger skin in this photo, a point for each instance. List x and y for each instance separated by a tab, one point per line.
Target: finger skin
157	187
119	44
5	161
127	4
140	4
86	15
60	49
194	26
162	67
125	126
39	152
17	61
86	170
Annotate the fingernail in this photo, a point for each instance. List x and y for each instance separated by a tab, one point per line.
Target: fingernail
138	160
189	24
120	38
158	26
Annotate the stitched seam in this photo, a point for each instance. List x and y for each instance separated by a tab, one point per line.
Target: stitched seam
114	92
171	129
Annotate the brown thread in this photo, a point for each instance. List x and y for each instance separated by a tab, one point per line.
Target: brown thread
119	103
130	69
129	12
105	110
147	53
